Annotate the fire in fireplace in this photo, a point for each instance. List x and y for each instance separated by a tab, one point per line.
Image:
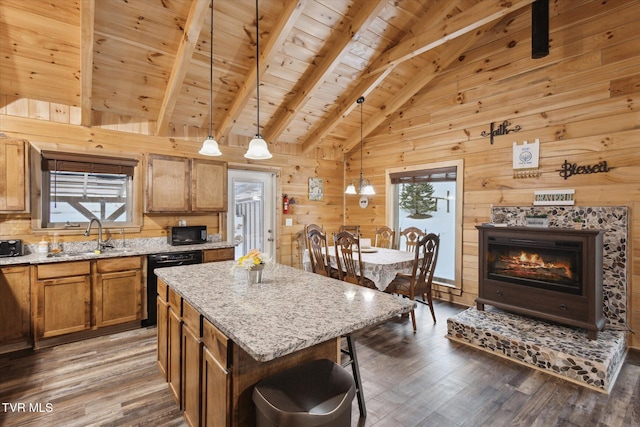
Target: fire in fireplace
549	273
553	265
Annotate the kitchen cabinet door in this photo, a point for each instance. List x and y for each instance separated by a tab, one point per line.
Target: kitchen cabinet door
216	377
63	306
208	186
168	184
118	291
15	306
163	337
14	186
191	363
174	334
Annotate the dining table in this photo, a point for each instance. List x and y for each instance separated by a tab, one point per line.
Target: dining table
380	265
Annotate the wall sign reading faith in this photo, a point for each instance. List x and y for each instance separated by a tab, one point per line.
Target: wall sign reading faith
502	129
570	169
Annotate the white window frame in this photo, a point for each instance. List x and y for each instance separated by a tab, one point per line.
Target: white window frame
391	203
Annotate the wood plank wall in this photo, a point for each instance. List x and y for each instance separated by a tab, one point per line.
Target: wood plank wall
21	118
581	101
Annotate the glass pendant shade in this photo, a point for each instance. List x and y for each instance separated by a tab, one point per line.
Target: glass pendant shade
351	189
210	147
366	189
258	149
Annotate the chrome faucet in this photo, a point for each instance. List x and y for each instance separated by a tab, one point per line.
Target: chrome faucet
101	243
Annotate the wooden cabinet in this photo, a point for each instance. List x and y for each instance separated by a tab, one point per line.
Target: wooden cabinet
14	186
15	308
162	304
216	377
179	184
222	254
174	344
191	363
208	186
63	300
117	290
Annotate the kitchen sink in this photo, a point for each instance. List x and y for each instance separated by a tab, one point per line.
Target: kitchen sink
88	253
71	254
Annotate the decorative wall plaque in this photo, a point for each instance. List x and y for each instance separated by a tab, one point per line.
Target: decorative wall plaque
554	197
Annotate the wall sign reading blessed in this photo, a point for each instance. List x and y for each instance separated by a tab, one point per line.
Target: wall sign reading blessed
570	169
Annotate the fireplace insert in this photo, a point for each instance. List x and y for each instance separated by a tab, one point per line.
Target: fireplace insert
547	264
549	273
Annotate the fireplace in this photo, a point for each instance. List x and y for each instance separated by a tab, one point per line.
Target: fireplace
549	273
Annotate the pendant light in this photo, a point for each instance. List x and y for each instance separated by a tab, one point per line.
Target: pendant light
210	145
364	187
258	149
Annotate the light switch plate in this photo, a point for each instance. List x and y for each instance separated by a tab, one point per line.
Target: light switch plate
288	222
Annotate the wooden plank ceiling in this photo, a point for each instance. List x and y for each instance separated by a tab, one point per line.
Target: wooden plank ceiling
148	60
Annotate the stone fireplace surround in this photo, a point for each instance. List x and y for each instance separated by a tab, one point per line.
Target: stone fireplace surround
559	350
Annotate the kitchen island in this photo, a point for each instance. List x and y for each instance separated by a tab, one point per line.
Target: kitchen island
250	331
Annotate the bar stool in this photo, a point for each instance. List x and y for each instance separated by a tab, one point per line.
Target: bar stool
317	393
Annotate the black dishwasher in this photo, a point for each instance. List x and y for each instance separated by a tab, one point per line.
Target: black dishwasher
171	259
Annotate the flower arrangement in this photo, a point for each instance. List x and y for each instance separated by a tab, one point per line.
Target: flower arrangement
251	259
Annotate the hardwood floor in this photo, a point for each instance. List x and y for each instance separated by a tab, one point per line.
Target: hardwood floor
419	379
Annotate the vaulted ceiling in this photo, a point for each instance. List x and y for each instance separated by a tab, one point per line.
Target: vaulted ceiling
149	61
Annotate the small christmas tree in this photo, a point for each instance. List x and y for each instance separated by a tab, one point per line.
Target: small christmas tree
417	200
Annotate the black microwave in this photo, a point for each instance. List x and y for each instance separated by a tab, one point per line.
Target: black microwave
187	235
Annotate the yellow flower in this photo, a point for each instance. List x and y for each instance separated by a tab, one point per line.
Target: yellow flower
253	257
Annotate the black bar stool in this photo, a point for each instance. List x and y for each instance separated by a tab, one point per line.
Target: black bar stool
313	394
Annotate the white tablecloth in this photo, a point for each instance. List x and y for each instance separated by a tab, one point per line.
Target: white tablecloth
380	267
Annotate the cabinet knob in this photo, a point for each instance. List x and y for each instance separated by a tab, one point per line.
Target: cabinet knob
563	307
499	293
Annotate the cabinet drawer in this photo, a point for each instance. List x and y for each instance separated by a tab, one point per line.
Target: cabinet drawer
163	291
216	342
64	269
175	302
223	254
191	318
119	264
569	306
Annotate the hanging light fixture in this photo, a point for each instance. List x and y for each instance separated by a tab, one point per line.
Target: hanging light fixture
210	145
364	187
258	149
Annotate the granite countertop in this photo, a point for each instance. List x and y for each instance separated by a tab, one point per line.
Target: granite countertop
84	251
291	310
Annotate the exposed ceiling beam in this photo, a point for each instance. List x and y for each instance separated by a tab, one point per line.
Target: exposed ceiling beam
187	46
338	45
439	59
87	24
279	33
345	106
437	12
468	20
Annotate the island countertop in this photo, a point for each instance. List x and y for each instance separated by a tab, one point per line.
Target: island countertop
291	310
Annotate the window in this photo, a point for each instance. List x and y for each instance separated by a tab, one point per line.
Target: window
79	187
429	197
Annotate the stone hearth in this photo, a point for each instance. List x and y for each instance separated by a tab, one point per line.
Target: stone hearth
558	350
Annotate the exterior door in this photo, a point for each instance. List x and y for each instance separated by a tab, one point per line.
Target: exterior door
251	217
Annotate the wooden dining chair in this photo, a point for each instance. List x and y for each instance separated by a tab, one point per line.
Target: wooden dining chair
420	280
411	236
348	255
309	227
385	237
353	229
319	253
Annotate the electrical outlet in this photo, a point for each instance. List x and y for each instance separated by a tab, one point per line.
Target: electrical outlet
288	222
